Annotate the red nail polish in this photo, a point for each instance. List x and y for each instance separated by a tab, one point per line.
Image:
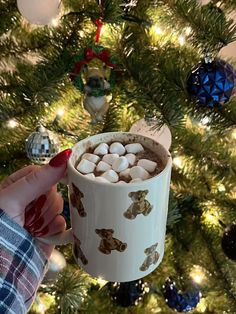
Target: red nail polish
60	158
42	232
36	225
32	213
29	216
40	201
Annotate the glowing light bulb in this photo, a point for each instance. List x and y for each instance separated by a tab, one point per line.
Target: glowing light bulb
54	22
41	308
212	219
60	112
101	281
221	187
178	162
181	40
12	123
204	121
234	135
188	31
158	30
197	274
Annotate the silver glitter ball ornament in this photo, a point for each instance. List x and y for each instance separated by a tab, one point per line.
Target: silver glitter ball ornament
42	145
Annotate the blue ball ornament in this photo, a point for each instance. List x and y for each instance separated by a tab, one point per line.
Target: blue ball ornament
66	213
212	83
181	302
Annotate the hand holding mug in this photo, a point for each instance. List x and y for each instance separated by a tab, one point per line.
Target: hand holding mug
29	196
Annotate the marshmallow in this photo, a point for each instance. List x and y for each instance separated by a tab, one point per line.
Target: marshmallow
121	182
109	158
136	180
138	172
147	164
90	176
101	179
117	148
86	166
134	148
125	174
101	149
103	166
111	176
131	159
91	157
120	164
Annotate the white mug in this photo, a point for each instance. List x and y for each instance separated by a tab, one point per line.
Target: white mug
118	230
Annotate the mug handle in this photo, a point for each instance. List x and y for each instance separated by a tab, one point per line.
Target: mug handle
62	238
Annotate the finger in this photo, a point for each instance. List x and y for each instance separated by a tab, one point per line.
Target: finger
45	218
31	211
18	175
19	194
57	225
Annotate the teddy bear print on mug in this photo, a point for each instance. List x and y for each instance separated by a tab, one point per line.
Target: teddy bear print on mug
152	257
108	243
76	202
139	206
78	253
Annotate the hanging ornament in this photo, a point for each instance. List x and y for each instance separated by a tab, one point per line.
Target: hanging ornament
42	145
127	293
147	127
228	242
181	302
66	213
41	12
212	82
95	84
56	263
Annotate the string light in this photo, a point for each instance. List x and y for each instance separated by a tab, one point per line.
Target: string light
101	281
12	123
60	112
181	40
197	274
234	135
188	31
204	121
221	188
178	162
54	22
212	219
157	30
41	308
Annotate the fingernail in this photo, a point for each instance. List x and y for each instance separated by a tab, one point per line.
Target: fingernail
60	158
36	225
42	232
34	212
40	201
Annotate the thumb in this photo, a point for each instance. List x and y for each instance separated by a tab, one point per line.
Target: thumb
19	194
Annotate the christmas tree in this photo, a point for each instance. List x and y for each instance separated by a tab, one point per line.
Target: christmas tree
166	64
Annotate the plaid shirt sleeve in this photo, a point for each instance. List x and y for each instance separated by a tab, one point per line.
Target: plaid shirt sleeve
22	267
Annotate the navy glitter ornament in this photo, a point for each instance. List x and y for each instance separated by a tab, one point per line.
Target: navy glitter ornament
212	82
181	302
228	242
127	293
66	213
